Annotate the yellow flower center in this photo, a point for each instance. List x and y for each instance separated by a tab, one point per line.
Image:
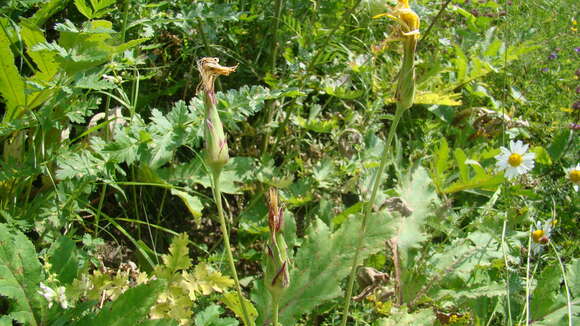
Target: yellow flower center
575	176
515	159
537	235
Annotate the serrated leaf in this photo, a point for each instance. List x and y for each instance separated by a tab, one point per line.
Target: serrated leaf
11	83
20	277
130	308
417	192
211	317
323	260
94	82
44	60
84	8
232	301
208	281
178	257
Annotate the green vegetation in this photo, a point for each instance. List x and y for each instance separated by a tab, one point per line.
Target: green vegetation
357	162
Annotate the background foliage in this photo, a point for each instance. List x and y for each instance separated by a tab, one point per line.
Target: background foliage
105	199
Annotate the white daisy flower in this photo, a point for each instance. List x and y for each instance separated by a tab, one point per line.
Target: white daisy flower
573	174
516	160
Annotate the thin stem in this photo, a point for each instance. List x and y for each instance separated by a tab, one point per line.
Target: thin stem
528	280
568	298
509	309
275	306
217	195
368	209
125	19
276	23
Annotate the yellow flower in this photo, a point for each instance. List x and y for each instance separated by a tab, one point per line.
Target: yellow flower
406	17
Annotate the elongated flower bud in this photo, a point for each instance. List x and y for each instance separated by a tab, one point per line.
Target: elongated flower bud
216	144
276	275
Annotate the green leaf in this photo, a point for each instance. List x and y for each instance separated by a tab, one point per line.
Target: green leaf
486	182
542	155
47	10
232	301
11	83
178	257
84	9
211	317
193	204
323	260
130	308
460	158
574	277
44	60
418	194
20	277
556	149
441	164
64	259
423	317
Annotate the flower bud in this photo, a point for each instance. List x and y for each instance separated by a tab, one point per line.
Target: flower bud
215	139
276	274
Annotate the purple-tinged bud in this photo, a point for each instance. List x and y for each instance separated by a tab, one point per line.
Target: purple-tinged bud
215	139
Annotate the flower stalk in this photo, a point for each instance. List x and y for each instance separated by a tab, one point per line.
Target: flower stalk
217	155
407	32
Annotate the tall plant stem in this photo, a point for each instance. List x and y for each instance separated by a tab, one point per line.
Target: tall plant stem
368	209
217	195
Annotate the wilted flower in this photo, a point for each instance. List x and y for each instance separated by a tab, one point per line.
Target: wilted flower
215	138
574	176
515	160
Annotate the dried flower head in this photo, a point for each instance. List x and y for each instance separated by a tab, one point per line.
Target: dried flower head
209	68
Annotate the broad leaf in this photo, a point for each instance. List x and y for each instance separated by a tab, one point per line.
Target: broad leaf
11	83
20	277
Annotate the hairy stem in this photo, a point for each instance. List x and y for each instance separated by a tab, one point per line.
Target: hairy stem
368	209
217	195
